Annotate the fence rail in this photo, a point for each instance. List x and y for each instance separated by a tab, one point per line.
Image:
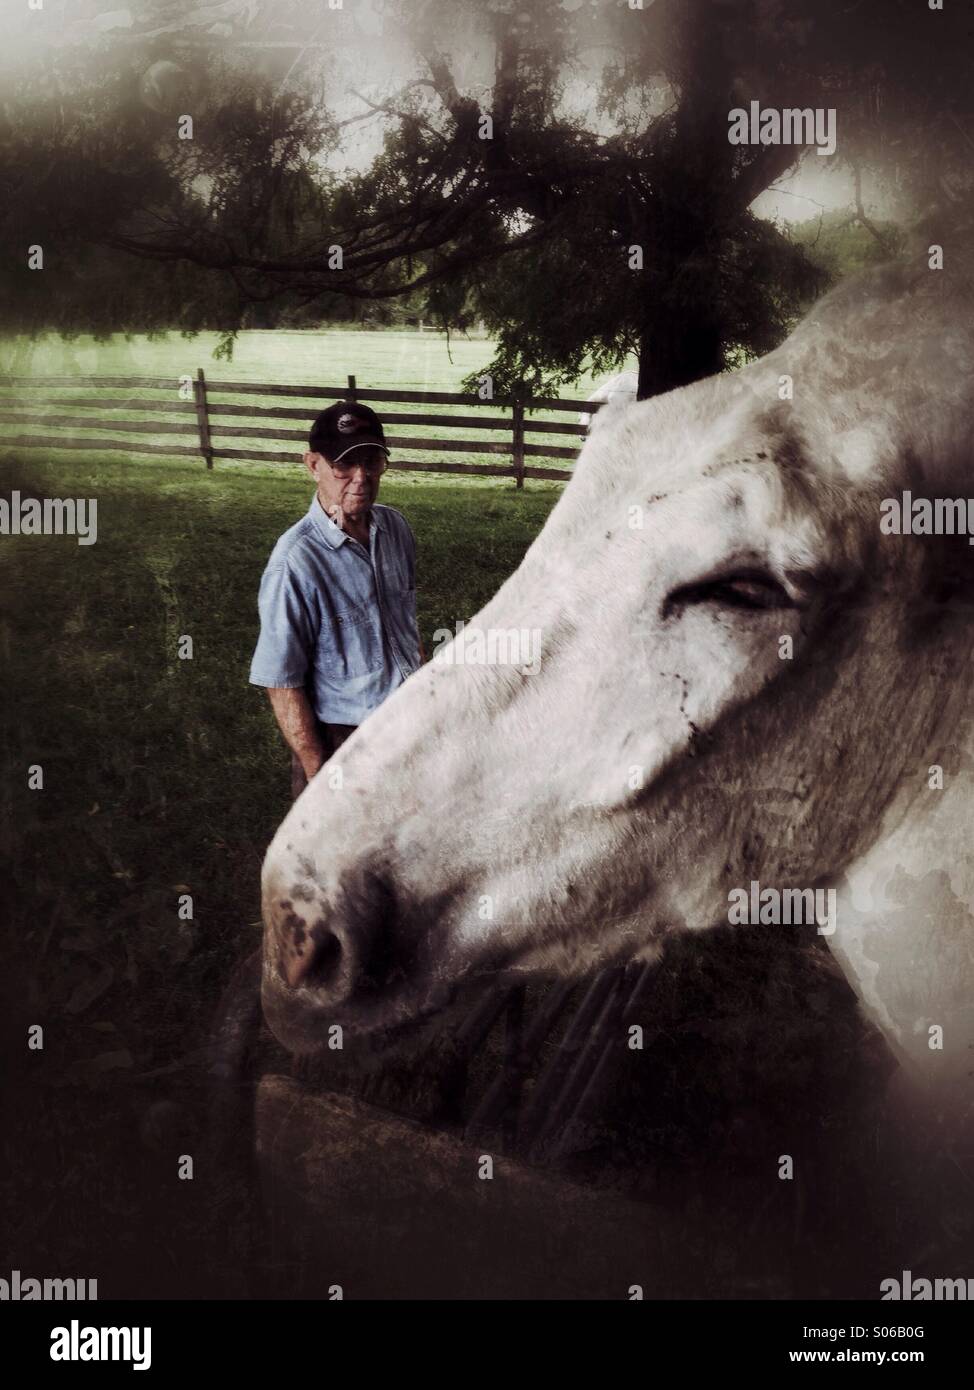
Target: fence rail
216	424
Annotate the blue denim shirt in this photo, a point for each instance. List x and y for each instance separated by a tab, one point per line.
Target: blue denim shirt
337	618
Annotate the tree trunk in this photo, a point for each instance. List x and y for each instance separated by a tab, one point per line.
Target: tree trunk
679	346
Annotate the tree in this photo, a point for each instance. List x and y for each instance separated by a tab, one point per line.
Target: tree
533	156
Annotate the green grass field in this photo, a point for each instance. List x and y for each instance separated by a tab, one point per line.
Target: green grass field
322	359
386	357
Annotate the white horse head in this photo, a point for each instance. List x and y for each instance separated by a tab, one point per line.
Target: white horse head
741	680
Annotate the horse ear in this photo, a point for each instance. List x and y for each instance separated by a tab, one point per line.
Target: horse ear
905	928
609	414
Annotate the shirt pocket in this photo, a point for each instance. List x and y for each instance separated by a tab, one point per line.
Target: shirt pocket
359	649
402	619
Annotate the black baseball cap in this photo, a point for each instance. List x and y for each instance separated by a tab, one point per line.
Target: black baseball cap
344	426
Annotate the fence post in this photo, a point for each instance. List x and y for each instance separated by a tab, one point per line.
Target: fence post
351	386
202	418
517	447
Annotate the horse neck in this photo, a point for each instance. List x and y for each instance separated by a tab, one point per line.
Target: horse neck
905	907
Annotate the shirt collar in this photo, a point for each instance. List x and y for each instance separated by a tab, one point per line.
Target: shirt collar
331	534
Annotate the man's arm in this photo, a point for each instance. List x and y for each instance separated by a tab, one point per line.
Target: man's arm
411	561
282	659
297	722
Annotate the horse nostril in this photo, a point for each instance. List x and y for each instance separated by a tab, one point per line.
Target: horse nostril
329	953
315	961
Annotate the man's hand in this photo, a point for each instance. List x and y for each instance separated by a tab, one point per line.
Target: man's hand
296	721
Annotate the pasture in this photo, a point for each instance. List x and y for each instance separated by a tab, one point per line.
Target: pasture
392	360
161	777
390	357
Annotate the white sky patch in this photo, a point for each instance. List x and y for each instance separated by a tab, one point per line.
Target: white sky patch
813	188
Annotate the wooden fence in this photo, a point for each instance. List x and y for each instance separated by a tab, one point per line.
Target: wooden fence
214	415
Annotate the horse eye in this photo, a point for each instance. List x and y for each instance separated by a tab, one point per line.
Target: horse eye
752	590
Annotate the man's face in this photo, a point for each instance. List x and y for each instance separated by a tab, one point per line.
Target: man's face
352	484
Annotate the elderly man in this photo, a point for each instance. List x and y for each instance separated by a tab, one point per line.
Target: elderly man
337	600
